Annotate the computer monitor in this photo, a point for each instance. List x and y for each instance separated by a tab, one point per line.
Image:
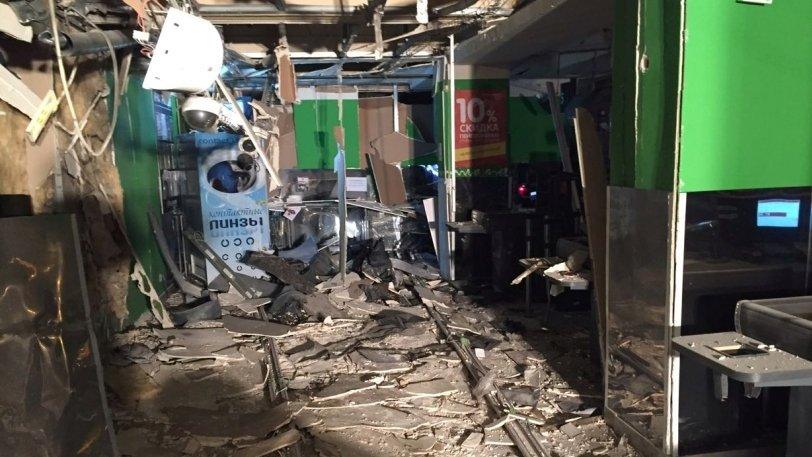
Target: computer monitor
778	212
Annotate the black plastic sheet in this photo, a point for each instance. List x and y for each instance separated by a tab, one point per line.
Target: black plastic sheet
52	397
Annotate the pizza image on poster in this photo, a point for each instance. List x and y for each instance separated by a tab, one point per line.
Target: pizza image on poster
480	127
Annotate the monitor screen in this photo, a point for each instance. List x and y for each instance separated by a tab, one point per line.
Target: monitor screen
778	213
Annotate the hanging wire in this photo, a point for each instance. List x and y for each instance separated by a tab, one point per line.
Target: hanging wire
78	129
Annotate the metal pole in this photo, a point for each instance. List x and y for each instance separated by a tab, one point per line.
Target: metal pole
341	189
519	432
451	178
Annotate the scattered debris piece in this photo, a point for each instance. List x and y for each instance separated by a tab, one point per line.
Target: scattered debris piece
474	439
280	268
263	448
208	310
423	271
245	326
433	388
309	350
343	386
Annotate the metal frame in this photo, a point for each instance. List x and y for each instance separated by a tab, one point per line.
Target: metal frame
447	184
267	14
671	444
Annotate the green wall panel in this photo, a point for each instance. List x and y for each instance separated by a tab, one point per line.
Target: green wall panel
531	133
747	95
657	94
442	120
135	141
315	142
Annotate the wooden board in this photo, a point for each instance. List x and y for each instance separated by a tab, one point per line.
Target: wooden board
593	182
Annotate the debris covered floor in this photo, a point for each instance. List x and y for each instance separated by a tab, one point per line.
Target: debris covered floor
369	374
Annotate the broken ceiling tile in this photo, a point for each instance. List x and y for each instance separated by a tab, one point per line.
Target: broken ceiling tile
306	419
474	439
365	443
427	294
459	322
453	407
320	307
309	350
364	365
196	343
358	399
286	271
433	388
336	281
275	443
382	355
222	423
315	367
419	270
248	305
245	326
377	417
521	395
203	312
570	429
422	445
534	377
343	386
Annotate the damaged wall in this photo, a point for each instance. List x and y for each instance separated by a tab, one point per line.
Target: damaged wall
315	116
81	183
412	144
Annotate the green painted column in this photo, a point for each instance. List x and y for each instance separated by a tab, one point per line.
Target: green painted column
711	95
136	150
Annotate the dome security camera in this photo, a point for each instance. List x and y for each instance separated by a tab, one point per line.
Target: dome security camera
201	113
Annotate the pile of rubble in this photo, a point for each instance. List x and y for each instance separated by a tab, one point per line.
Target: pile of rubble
359	365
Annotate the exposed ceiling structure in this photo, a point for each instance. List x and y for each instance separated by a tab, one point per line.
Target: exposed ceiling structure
544	29
366	42
350	29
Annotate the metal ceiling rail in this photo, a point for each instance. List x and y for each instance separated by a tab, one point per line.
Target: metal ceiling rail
269	15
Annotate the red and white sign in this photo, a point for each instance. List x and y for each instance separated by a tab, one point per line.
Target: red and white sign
480	127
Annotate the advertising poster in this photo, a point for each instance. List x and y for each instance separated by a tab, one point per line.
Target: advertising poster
233	197
480	127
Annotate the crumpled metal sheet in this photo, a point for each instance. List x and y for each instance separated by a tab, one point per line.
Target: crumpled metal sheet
52	398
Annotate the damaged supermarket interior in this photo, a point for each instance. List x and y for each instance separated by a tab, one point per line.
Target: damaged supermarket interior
364	228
